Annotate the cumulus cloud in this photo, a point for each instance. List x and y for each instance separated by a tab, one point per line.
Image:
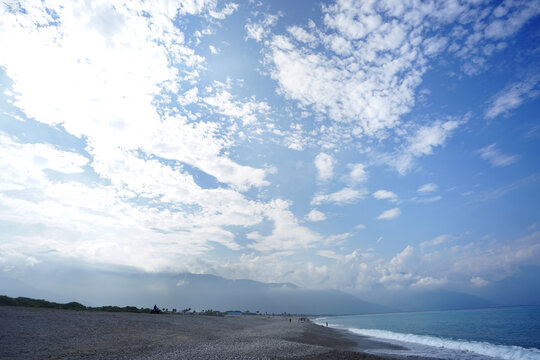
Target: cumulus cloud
389	214
358	173
495	157
315	215
384	195
324	164
287	233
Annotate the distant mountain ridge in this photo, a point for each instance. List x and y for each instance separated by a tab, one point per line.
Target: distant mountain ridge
204	292
219	293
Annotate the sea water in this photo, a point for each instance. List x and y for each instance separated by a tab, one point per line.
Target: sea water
500	333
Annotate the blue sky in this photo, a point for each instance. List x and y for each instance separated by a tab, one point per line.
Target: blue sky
350	144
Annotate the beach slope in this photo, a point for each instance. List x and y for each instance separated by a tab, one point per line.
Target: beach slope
61	334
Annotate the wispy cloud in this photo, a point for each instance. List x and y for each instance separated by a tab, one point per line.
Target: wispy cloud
513	96
495	157
427	188
342	197
389	214
421	143
258	30
531	180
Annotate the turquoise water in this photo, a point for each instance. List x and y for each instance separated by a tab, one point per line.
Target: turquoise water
503	333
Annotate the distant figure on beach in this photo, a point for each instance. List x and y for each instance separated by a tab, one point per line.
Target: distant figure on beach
326	324
155	310
290	320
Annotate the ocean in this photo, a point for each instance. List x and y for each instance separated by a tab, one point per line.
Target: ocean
480	334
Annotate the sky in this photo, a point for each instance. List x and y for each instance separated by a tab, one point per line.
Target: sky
352	145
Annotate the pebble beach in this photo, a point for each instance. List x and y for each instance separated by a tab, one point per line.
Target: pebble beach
62	334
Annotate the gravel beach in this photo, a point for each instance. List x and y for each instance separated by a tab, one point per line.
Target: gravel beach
29	333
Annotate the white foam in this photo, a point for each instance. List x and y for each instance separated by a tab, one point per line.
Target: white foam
481	348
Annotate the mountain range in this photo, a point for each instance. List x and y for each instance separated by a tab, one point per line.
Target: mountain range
204	292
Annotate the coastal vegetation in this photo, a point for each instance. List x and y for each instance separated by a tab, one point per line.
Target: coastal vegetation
40	303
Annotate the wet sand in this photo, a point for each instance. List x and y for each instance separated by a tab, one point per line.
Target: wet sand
62	334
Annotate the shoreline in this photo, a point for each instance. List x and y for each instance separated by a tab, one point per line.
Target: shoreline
34	333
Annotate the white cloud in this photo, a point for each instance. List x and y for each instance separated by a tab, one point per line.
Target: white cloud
145	209
358	173
229	9
495	157
127	65
259	30
301	35
478	281
24	166
426	199
248	111
441	239
337	239
384	195
341	197
389	214
367	69
474	263
367	98
324	164
360	226
189	97
315	215
434	45
194	7
330	254
428	281
427	188
428	137
510	17
287	233
213	49
513	96
422	143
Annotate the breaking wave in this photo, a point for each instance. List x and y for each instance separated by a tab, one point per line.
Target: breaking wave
481	348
